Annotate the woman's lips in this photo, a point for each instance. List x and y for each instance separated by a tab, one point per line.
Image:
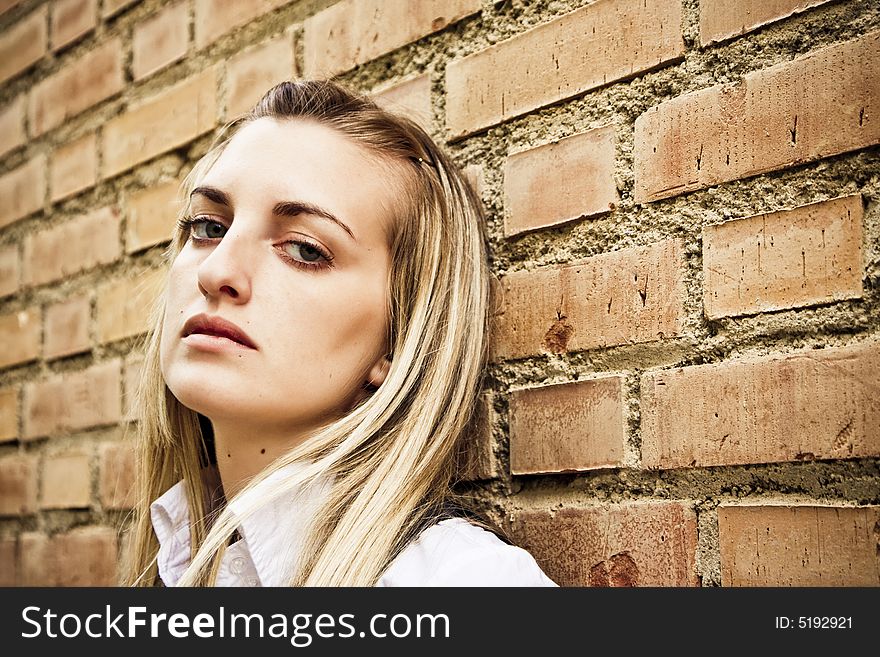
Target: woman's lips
213	343
216	327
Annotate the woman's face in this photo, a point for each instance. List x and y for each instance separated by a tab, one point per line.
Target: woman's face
290	244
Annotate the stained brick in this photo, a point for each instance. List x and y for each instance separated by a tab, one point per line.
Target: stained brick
559	182
72	19
18	485
110	8
603	42
214	18
352	32
12	133
74	167
21	337
8	562
9	413
67	327
133	370
411	98
627	296
151	215
10	269
85	556
770	120
811	254
477	455
721	20
74	400
66	481
629	544
117	489
799	545
123	305
23	190
35	565
169	119
24	43
816	404
253	72
74	246
160	40
568	427
94	77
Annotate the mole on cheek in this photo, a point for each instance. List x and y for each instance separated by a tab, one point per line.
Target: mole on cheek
263	451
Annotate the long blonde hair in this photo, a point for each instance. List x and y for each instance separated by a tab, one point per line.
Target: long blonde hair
393	458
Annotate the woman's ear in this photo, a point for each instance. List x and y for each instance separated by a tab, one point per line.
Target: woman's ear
378	372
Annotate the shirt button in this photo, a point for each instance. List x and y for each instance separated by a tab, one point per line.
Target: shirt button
237	566
252	581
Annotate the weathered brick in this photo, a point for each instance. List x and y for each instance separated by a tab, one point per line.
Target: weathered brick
21	337
10	269
12	133
561	181
603	42
6	5
722	20
67	327
256	70
799	545
214	18
152	213
85	556
35	566
24	43
805	256
160	40
94	77
117	490
72	19
477	454
169	119
8	562
112	7
9	413
66	482
816	404
23	190
627	296
75	400
629	544
475	174
18	485
123	304
73	167
133	369
770	120
568	427
411	98
74	246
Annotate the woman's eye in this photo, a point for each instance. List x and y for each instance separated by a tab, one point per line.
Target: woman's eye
205	229
305	252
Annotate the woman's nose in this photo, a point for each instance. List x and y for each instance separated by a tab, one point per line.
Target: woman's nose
226	270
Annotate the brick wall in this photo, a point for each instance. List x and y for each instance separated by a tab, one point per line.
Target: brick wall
682	201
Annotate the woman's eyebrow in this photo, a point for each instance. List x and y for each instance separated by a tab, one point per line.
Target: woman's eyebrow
282	208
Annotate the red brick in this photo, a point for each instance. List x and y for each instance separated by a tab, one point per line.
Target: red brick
85	556
6	5
8	562
73	167
131	378
117	487
72	19
94	77
770	120
816	404
75	246
411	98
112	7
21	337
12	133
66	481
601	43
9	413
10	269
558	182
723	20
477	453
35	565
568	427
23	190
214	18
67	327
160	40
24	44
799	545
123	304
475	174
18	485
801	257
75	400
352	32
629	544
152	214
253	72
167	120
627	296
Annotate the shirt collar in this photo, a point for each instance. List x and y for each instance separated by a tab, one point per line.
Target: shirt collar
273	535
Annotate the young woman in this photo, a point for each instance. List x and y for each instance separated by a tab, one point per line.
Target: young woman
314	361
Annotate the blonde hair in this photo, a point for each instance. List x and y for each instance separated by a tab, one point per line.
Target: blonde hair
393	459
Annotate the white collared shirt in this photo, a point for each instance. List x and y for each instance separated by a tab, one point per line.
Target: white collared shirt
452	552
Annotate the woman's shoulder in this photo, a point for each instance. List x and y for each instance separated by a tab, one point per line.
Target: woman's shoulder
457	552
